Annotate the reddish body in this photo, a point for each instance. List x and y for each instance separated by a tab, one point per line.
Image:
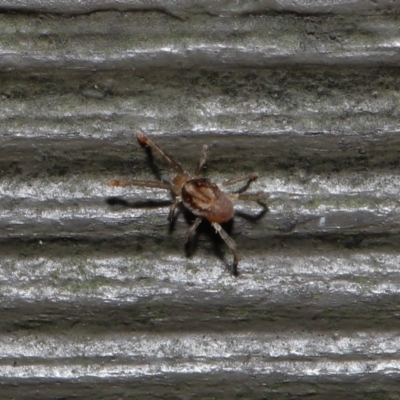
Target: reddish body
204	199
199	195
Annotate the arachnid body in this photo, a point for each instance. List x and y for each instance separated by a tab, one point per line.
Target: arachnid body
199	195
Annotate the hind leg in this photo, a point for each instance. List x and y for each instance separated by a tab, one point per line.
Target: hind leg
231	244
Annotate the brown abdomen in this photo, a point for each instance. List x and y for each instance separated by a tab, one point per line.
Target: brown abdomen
203	198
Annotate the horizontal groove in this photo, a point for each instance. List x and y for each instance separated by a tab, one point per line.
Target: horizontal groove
133	356
153	40
284	157
185	8
291	103
311	206
319	275
201	312
186	346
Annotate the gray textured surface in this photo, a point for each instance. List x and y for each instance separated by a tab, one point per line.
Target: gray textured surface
100	299
185	8
126	40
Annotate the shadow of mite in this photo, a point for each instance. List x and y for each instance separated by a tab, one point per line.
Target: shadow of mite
150	204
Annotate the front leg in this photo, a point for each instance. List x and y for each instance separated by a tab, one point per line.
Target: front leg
231	244
144	140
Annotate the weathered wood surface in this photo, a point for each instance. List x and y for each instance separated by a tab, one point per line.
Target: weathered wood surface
99	295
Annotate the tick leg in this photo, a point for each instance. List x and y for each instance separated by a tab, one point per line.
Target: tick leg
173	208
231	244
240	195
248	178
144	140
150	184
202	161
193	227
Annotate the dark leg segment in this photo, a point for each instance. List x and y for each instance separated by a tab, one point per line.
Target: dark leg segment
193	227
172	209
231	244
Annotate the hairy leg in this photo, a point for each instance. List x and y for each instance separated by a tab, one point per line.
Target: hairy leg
193	227
144	140
231	244
246	178
173	208
240	195
202	161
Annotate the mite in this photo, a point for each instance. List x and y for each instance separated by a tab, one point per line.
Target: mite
199	195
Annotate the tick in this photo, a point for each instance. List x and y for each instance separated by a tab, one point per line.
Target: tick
200	196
